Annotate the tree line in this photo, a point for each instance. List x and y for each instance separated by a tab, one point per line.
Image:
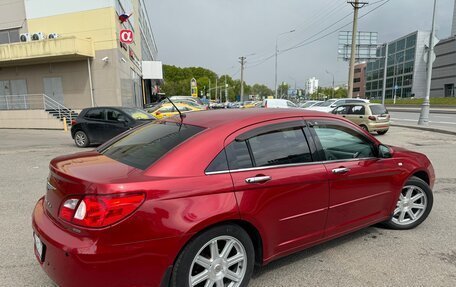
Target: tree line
177	83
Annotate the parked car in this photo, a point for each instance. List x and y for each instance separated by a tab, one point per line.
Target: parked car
329	105
370	117
188	98
168	110
198	202
278	103
97	125
309	104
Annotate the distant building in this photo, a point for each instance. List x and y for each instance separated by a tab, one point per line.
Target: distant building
311	86
71	52
444	68
359	81
406	68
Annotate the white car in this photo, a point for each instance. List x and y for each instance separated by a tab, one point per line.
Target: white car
331	104
278	103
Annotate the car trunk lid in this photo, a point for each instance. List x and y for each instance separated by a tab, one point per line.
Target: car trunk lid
80	174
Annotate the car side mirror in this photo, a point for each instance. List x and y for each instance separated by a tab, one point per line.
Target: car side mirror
384	151
333	106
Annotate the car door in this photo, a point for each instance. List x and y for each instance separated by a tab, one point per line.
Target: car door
116	123
279	188
95	121
356	114
361	185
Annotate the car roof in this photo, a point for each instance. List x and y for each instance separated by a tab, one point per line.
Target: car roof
237	118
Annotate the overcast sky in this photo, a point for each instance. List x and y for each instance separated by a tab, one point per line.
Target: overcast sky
214	33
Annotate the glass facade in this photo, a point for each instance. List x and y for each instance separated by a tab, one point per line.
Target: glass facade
399	71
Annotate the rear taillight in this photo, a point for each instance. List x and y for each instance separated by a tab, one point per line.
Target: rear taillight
158	113
372	118
100	210
73	122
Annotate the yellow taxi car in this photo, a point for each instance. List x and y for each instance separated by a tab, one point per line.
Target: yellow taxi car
370	117
168	110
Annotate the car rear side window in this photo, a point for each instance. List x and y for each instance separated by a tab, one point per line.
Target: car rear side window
238	155
287	146
277	147
146	145
357	110
96	114
219	163
378	110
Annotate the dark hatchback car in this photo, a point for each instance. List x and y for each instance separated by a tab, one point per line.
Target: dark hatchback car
198	202
100	124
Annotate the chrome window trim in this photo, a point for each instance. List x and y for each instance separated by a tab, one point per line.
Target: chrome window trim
288	165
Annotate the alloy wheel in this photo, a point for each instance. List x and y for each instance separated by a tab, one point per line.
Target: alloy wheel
221	262
80	139
411	205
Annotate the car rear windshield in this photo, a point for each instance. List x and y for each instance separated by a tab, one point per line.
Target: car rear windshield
146	145
137	114
378	110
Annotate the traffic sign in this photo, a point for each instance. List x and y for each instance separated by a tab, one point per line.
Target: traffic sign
126	36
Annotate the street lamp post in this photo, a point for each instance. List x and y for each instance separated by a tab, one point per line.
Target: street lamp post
332	92
276	54
425	107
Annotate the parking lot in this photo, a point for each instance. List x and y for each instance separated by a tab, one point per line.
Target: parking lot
425	256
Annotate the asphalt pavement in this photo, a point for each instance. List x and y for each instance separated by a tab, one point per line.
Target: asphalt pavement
437	121
425	256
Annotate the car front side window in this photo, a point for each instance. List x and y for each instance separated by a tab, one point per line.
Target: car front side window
340	142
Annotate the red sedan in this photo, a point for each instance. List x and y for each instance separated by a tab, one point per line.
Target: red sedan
200	202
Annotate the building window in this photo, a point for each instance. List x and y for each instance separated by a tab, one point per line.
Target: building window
408	67
356	80
406	92
449	90
356	90
408	80
410	54
374	85
357	70
411	41
400	45
9	36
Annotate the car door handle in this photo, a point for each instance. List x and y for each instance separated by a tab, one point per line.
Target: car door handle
258	179
341	170
360	117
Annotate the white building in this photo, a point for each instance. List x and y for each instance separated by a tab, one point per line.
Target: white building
311	86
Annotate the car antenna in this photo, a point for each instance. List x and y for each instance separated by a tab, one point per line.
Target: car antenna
181	115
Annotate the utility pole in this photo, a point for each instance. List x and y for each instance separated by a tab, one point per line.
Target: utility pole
332	92
356	6
276	56
242	61
425	107
385	74
226	91
216	79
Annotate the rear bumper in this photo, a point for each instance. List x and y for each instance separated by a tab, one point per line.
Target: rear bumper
373	126
73	260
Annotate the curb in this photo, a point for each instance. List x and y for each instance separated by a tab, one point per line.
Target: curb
414	110
426	129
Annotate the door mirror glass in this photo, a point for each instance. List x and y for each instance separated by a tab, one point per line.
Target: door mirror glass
384	151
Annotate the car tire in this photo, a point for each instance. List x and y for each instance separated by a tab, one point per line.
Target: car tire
206	259
413	206
81	139
364	128
382	132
